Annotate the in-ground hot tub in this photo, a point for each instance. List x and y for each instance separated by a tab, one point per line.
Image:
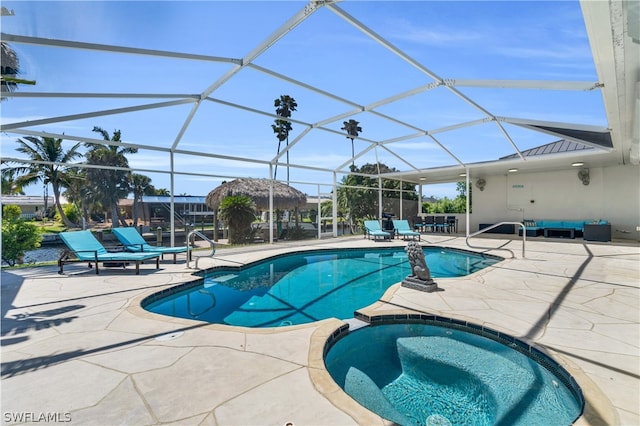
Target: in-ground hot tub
438	371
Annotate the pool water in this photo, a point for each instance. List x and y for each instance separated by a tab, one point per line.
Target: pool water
420	374
299	288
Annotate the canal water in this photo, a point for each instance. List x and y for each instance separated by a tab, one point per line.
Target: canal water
48	253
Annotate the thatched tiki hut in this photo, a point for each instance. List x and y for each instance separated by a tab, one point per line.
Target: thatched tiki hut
284	196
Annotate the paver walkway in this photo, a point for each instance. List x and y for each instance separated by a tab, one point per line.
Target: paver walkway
79	349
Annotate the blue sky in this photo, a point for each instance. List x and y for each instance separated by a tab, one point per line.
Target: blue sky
517	40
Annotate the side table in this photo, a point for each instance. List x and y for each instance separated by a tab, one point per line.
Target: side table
597	232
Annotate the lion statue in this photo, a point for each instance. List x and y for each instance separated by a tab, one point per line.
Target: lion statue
419	268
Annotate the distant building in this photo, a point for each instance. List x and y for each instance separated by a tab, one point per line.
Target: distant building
156	209
32	206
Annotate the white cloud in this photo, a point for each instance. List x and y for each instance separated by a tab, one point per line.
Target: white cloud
433	35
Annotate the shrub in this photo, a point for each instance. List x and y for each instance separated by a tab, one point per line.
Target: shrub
18	236
239	212
296	232
71	211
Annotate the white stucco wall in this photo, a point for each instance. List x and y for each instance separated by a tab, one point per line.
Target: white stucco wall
613	194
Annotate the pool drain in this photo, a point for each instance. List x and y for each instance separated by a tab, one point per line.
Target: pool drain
169	336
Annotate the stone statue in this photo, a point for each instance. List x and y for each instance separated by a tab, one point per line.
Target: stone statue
419	268
420	278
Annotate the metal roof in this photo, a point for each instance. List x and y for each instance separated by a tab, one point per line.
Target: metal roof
26	200
179	199
551	148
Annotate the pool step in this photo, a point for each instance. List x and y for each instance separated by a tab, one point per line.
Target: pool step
451	362
364	390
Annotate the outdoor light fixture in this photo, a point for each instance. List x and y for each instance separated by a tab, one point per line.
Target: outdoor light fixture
583	175
462	174
512	170
481	183
577	164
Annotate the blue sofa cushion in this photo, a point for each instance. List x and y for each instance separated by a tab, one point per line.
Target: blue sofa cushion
550	224
578	225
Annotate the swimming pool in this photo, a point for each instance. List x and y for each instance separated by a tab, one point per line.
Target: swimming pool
304	287
449	373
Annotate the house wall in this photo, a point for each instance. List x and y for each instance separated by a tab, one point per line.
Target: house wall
613	194
29	205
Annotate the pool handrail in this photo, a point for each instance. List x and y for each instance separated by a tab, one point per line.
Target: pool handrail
191	245
495	225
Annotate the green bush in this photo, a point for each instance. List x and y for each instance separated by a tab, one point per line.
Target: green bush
18	236
239	212
71	211
296	232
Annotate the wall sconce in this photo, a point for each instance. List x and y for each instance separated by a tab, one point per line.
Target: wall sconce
583	175
481	183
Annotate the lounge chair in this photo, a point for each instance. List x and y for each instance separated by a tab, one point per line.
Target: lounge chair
133	242
372	229
402	228
86	248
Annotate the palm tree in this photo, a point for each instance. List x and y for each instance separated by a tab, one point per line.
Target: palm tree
285	105
161	191
140	185
9	184
109	185
353	129
50	167
239	212
10	65
78	192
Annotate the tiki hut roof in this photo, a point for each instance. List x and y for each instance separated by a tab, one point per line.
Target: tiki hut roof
284	196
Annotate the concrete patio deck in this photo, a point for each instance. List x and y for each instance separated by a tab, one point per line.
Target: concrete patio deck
79	349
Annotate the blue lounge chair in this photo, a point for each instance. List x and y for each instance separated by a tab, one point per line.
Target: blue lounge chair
402	228
133	241
372	229
86	248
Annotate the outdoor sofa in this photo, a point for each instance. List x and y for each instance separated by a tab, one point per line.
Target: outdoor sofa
556	228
